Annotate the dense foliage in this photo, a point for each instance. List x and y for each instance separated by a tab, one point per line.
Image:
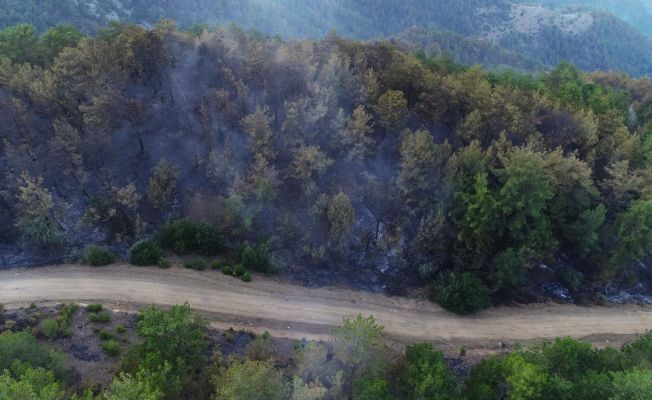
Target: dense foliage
327	153
175	357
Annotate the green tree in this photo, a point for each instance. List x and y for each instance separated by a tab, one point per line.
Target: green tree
422	161
632	385
162	183
358	343
461	292
480	224
260	134
568	357
486	381
126	387
32	384
523	200
173	347
308	163
19	43
639	352
341	219
425	376
392	109
22	348
303	391
371	389
506	269
354	136
57	38
526	381
36	210
251	380
633	230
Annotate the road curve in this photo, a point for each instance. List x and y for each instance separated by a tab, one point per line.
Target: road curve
295	311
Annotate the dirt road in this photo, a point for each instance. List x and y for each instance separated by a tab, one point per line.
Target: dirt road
298	312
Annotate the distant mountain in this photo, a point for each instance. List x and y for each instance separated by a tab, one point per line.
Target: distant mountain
466	50
491	32
637	13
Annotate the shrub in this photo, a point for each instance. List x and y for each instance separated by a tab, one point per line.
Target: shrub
164	262
246	277
101	317
185	235
261	348
227	270
239	270
66	315
50	328
22	348
40	231
97	256
257	257
111	347
94	308
198	264
145	253
571	278
32	306
120	329
216	265
461	293
105	335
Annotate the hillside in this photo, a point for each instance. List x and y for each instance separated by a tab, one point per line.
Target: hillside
334	161
637	13
514	31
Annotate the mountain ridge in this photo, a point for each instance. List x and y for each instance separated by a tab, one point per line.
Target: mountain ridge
516	31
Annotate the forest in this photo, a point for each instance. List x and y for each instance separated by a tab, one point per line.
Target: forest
171	353
494	33
324	159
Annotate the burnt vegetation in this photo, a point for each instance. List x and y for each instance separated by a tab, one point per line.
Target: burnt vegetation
321	157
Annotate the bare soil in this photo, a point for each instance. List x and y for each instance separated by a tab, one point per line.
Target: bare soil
297	312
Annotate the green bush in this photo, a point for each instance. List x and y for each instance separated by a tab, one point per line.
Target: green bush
571	278
97	256
120	329
94	308
257	257
40	231
216	265
164	262
198	264
239	270
227	270
185	235
461	293
66	315
111	347
101	317
21	348
50	328
246	277
145	253
105	335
